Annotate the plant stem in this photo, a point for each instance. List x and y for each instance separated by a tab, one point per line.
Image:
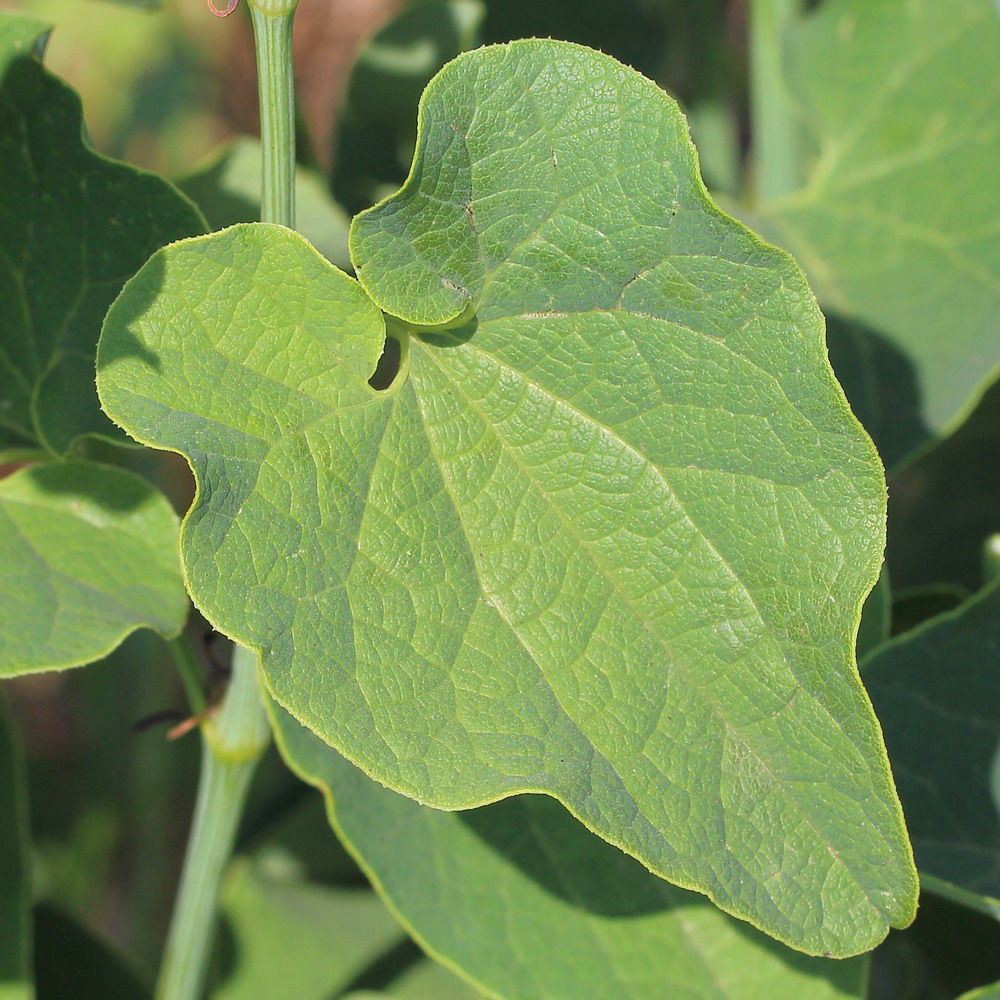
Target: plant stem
232	743
777	139
272	28
190	669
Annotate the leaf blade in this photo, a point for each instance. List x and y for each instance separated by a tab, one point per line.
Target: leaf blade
490	577
91	557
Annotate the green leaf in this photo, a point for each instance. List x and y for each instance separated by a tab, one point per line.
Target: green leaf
896	223
73	226
559	913
991	992
15	890
89	555
227	190
293	938
607	540
937	692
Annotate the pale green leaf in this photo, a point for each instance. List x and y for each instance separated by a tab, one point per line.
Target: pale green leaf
606	539
937	692
292	938
897	223
88	554
73	226
559	914
15	891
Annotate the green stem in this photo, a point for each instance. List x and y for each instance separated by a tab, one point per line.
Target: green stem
272	28
232	744
190	670
777	139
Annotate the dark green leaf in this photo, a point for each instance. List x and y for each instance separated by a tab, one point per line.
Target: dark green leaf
73	226
72	961
937	693
15	888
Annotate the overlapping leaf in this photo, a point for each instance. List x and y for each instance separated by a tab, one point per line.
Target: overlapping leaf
937	691
73	226
89	554
15	897
606	537
559	914
898	224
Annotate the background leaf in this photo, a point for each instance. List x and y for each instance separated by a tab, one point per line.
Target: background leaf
377	128
292	938
557	912
227	190
608	540
15	891
89	555
73	226
937	693
72	961
896	223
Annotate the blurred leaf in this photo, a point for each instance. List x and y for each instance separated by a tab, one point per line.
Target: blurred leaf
881	386
292	938
90	555
470	608
936	690
15	868
556	912
876	617
227	190
945	505
947	950
73	227
896	223
914	606
991	992
378	124
72	961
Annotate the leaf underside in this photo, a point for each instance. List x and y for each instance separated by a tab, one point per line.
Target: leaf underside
607	534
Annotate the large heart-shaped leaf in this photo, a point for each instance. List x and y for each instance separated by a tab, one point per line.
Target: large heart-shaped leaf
896	224
73	226
89	554
606	538
559	914
937	690
15	897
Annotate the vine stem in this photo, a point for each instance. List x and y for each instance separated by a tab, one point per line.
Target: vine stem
232	743
272	29
777	138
